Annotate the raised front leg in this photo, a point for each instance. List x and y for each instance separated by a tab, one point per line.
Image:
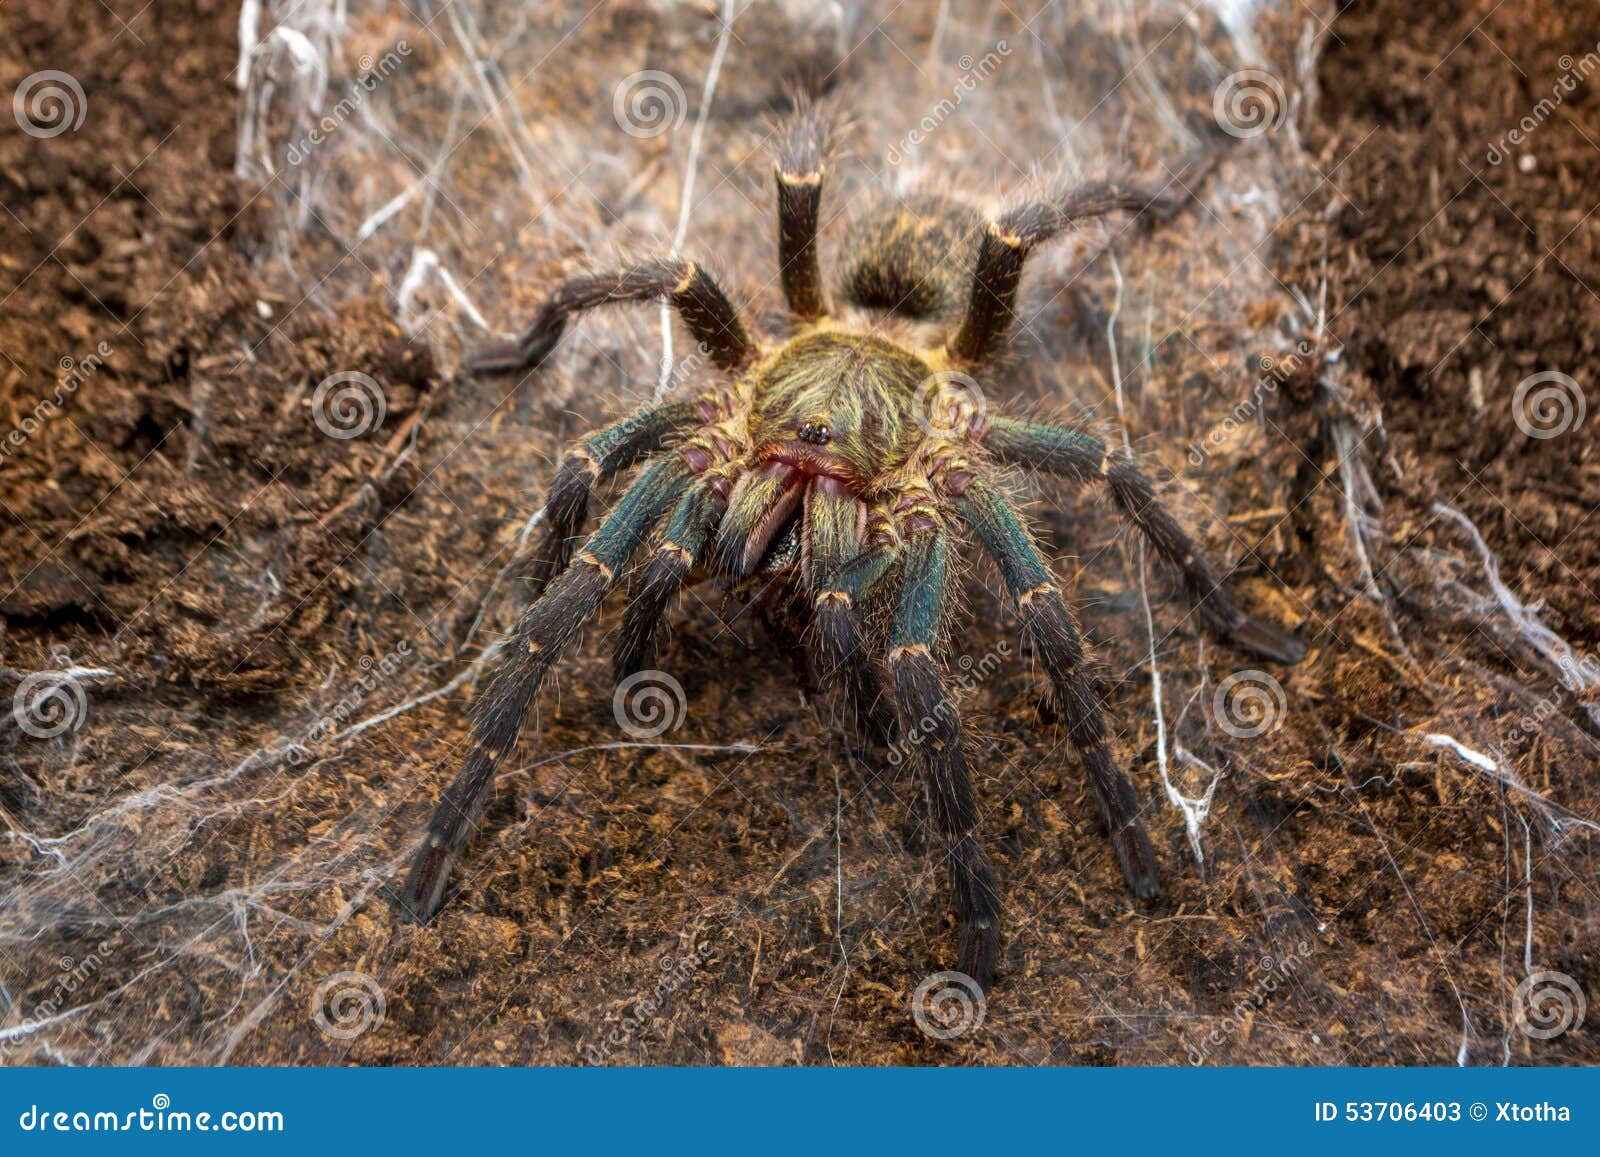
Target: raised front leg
801	166
1009	239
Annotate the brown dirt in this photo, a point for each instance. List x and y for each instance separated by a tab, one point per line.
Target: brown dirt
1453	267
183	524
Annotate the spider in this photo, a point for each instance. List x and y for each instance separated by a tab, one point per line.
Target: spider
813	463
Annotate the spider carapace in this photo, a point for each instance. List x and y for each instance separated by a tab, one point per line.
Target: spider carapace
850	462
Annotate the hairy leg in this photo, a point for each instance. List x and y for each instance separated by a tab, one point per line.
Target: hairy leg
546	627
930	727
801	165
585	466
705	309
841	576
1085	458
1060	648
1011	237
681	545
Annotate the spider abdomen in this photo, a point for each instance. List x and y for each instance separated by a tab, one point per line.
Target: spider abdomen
911	258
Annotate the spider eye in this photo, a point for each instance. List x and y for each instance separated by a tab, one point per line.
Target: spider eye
816	433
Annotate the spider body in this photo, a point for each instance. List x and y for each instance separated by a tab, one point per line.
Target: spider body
838	464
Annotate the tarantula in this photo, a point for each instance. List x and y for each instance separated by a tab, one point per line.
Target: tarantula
825	463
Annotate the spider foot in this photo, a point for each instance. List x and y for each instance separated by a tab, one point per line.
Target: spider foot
1137	856
425	887
977	948
508	357
1260	637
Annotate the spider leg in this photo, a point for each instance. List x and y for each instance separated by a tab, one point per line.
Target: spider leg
801	165
1013	235
668	567
547	626
1060	647
834	522
1085	458
701	303
931	727
585	466
840	576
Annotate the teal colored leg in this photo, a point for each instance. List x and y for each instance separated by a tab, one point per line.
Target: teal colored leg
1083	457
544	630
681	545
840	599
613	449
1060	648
930	731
